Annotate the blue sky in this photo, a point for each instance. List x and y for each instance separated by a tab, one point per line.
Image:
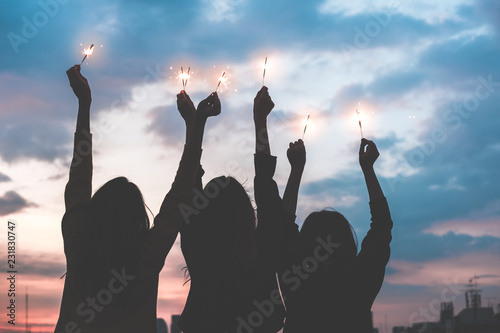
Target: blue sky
425	75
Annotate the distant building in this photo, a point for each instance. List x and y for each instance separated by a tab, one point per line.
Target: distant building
473	319
174	328
401	329
161	326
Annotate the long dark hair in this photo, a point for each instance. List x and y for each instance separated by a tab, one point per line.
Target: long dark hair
225	228
331	223
117	219
229	218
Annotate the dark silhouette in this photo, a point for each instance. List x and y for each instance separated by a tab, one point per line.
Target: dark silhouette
231	260
327	285
113	257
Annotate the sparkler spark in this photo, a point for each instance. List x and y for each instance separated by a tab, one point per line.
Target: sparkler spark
184	77
305	127
358	113
264	74
87	52
223	80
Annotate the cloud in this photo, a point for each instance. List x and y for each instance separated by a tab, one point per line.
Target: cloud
167	124
12	202
435	272
474	228
427	10
46	265
4	178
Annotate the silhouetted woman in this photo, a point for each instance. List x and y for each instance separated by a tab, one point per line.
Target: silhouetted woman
231	260
327	285
113	256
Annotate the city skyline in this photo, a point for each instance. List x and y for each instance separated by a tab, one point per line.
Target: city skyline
425	76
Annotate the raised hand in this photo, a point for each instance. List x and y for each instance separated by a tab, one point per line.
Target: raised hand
262	104
209	107
79	84
296	154
368	154
186	107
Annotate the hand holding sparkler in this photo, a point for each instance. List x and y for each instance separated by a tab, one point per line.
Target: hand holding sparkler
186	108
296	154
368	154
209	107
262	104
79	84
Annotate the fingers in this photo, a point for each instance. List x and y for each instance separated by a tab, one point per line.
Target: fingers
263	92
71	72
74	73
362	147
216	99
296	146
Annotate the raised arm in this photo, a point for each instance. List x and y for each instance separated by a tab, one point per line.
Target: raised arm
296	154
267	198
368	154
188	171
177	208
375	250
79	187
261	108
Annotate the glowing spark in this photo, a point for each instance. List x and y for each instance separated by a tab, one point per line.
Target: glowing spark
184	77
264	74
358	113
223	80
87	52
307	122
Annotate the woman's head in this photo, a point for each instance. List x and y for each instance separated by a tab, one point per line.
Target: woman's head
117	219
329	227
228	221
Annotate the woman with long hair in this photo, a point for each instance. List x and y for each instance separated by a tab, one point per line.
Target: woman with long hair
328	286
230	250
113	256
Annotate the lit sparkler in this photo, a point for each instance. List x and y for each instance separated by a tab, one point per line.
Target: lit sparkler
184	77
305	127
358	113
222	80
264	74
87	52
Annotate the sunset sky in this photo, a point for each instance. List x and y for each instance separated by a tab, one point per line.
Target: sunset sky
425	75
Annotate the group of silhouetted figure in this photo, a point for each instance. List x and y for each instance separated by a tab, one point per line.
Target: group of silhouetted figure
250	270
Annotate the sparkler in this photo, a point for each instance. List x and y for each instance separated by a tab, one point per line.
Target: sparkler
87	52
222	80
184	77
358	113
264	74
305	127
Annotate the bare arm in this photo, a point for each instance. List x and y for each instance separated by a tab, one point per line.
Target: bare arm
296	154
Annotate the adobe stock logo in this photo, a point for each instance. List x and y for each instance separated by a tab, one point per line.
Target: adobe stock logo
30	28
